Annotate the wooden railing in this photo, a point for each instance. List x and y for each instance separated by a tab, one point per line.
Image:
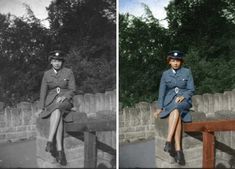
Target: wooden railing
89	126
208	128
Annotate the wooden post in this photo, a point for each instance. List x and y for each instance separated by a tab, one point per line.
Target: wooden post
104	122
208	149
90	151
208	128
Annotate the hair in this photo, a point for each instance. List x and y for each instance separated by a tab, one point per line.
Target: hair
50	58
62	60
169	58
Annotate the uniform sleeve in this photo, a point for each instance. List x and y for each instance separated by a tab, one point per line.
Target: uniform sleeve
71	86
162	90
43	91
190	87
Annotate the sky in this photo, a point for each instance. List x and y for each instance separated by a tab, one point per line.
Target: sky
135	8
17	8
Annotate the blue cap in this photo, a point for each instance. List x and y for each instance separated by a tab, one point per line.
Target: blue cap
175	54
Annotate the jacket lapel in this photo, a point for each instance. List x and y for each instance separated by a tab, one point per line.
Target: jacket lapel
179	72
52	73
170	73
59	73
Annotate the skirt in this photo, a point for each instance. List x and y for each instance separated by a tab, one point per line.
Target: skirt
64	107
183	108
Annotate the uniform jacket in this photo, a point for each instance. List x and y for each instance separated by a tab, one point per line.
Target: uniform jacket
64	79
183	80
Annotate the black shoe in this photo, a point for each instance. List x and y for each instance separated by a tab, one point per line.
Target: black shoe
168	147
49	147
179	157
54	153
61	158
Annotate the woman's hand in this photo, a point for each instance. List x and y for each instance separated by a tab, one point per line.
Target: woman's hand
179	99
60	99
157	112
37	114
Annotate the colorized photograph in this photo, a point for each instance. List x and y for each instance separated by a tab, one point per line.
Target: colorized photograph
176	84
58	84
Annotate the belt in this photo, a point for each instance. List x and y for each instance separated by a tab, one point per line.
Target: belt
177	90
58	90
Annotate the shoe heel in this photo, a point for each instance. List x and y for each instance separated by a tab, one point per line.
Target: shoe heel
168	147
61	158
179	158
48	147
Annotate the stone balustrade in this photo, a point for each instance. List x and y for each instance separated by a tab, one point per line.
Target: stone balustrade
74	145
137	123
19	123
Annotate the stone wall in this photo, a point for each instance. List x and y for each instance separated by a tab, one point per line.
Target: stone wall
74	145
135	122
212	103
17	123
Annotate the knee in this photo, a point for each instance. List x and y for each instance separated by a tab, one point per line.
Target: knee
176	112
57	112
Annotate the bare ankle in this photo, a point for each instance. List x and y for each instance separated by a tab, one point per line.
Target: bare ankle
168	140
177	148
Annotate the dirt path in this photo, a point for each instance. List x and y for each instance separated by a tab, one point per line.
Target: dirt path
18	155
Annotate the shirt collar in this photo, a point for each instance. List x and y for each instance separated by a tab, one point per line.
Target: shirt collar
174	72
55	71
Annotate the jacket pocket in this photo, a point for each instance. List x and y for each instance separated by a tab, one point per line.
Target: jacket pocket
183	82
169	83
64	82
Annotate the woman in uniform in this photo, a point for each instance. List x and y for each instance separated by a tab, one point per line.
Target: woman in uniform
57	91
175	92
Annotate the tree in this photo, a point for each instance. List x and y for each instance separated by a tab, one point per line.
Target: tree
142	56
23	46
202	29
85	30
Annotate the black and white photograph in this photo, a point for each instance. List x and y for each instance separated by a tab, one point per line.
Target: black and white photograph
58	84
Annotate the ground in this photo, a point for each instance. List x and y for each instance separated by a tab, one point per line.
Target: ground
23	155
20	154
137	155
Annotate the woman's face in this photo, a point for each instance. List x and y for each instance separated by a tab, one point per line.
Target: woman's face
175	63
57	64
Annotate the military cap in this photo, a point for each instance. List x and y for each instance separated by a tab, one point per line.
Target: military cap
175	54
56	54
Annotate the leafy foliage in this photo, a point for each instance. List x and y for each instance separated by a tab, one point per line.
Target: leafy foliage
85	30
203	29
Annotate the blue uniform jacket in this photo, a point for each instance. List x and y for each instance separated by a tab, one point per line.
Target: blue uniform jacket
183	80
